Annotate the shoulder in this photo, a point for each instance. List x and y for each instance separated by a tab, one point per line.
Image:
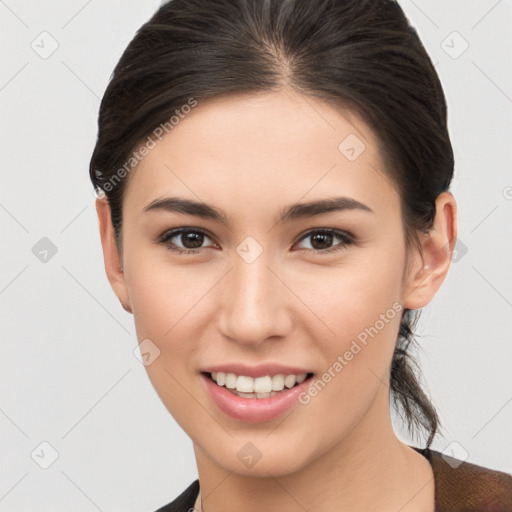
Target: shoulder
185	501
466	487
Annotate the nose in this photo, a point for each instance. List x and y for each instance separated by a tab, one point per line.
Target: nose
256	304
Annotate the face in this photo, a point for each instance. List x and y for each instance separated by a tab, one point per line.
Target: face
258	294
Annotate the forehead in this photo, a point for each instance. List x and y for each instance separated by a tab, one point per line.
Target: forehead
264	148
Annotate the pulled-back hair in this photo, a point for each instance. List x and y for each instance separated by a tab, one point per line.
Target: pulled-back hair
358	54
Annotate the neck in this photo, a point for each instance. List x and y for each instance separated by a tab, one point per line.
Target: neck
369	470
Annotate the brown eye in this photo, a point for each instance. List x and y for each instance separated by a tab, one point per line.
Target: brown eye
321	240
184	239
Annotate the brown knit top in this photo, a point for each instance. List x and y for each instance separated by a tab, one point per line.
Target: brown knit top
459	487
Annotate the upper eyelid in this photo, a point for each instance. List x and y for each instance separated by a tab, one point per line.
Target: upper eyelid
171	233
345	236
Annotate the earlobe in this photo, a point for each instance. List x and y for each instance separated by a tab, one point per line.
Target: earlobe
432	260
111	256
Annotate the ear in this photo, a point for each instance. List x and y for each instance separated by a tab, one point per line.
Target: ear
111	256
429	264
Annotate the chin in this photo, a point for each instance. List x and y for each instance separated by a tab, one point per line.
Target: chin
259	456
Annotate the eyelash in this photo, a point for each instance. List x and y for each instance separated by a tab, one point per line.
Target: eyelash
346	240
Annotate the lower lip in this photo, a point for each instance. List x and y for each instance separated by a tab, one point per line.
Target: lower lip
254	409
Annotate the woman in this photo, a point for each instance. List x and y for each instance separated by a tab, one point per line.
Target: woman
276	208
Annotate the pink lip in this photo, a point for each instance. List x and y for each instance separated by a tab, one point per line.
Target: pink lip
257	370
254	409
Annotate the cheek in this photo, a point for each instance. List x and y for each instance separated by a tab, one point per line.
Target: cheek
365	316
165	296
356	297
362	311
167	310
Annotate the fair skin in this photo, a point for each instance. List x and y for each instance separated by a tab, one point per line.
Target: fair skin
252	156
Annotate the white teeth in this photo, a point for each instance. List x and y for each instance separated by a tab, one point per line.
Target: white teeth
244	395
263	387
245	384
262	384
278	382
230	380
290	380
301	378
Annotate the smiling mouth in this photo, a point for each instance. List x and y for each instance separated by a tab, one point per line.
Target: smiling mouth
257	387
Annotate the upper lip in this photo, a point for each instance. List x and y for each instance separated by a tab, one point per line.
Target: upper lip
259	370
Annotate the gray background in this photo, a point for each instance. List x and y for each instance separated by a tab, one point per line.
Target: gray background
69	375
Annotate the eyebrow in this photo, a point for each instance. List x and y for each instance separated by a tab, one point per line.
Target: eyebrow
288	214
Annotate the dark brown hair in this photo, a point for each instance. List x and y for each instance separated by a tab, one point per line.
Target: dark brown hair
361	54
